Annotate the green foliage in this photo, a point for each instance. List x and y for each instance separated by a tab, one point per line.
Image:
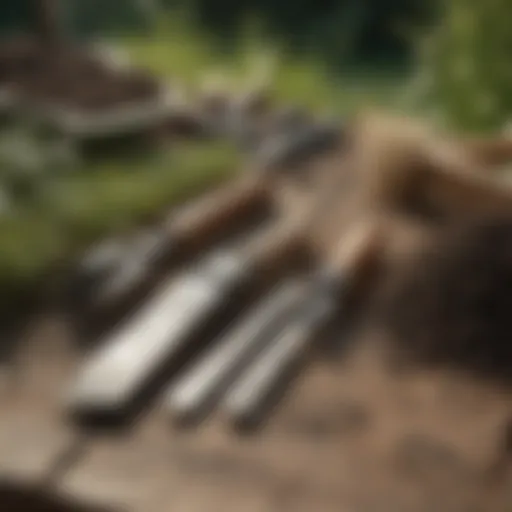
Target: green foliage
466	64
92	17
79	204
336	30
76	208
15	16
177	49
116	195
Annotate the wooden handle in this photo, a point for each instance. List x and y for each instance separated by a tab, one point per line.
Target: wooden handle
276	246
358	249
212	213
107	280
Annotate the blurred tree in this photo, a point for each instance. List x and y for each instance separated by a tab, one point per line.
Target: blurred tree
92	17
78	17
466	63
337	29
15	16
47	20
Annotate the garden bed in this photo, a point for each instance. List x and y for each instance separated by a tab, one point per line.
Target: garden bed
80	92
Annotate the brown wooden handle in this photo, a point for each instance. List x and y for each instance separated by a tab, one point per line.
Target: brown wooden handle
218	210
108	280
275	246
358	248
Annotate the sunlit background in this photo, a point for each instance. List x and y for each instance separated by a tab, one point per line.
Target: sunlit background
115	112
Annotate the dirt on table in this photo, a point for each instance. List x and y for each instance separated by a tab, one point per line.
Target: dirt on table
356	433
451	304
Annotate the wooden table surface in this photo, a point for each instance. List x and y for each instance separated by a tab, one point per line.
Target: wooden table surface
351	435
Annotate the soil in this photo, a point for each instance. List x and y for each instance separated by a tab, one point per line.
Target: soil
451	304
352	434
22	499
71	77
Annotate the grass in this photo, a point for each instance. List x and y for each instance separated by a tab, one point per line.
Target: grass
115	195
178	52
77	208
